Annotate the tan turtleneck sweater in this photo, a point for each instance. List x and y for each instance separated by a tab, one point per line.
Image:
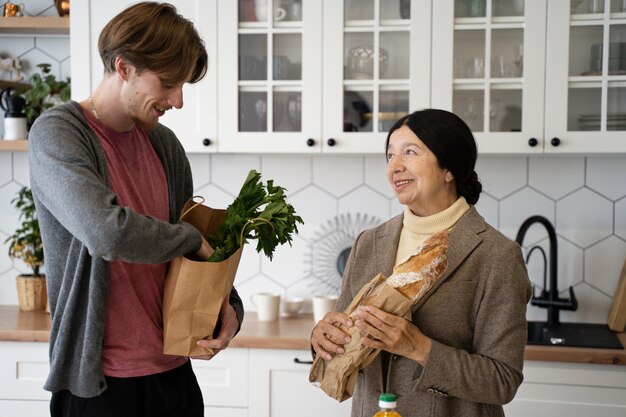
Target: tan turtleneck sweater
415	228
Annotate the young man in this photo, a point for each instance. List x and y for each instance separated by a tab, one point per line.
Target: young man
109	182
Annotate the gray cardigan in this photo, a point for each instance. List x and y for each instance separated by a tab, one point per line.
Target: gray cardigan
475	315
83	228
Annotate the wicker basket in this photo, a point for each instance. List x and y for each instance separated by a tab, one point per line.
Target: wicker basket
31	292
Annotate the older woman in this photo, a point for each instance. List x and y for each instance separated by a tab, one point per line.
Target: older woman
462	352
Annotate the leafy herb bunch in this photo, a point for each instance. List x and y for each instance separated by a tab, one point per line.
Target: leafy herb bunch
25	243
259	212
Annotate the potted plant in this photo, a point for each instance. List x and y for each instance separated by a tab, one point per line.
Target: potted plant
25	244
45	92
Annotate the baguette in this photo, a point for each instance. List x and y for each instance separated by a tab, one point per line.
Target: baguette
414	276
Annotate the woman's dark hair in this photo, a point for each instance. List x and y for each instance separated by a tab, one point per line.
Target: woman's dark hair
452	142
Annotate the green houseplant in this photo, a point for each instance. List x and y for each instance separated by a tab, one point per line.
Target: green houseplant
26	244
45	91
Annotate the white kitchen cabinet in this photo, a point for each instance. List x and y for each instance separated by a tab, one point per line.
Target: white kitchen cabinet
282	387
494	53
586	88
23	371
310	76
224	383
528	76
196	123
570	389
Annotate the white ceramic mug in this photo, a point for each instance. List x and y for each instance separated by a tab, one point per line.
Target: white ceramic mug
323	304
15	128
280	13
267	306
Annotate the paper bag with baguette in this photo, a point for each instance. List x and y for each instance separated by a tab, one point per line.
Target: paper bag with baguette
396	295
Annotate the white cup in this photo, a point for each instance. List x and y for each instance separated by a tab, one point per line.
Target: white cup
323	304
267	306
15	128
292	306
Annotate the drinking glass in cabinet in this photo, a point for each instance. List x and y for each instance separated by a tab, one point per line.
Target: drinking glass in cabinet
469	106
360	62
287	111
469	52
252	111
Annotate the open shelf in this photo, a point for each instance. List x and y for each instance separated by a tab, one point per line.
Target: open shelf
13	145
35	25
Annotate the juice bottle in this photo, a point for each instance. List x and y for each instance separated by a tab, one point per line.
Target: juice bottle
387	403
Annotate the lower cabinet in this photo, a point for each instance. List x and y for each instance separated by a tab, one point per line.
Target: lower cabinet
243	382
570	389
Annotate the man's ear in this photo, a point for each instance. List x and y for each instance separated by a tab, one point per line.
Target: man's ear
122	68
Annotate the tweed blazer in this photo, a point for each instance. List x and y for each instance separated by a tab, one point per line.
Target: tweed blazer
475	315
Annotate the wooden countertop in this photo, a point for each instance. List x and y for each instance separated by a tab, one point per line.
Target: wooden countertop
290	333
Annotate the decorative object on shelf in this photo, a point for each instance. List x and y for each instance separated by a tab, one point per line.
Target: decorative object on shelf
45	92
361	62
63	7
26	245
13	66
13	9
13	105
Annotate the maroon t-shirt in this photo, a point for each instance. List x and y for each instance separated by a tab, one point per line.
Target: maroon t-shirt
133	335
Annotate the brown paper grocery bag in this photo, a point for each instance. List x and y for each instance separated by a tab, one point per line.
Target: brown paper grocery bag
194	290
337	377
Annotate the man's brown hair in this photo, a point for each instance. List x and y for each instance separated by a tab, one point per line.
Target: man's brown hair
155	37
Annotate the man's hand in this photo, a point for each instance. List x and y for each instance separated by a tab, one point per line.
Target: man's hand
227	331
205	250
326	328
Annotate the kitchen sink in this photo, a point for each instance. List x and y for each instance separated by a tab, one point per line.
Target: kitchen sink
572	334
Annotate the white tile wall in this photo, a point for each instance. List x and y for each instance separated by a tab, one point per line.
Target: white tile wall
338	196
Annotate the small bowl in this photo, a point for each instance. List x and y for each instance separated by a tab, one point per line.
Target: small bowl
292	306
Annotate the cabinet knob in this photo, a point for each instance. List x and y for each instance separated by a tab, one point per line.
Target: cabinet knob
331	142
206	142
555	142
310	142
532	142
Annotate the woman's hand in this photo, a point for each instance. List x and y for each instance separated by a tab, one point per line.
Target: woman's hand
327	328
205	250
230	324
394	334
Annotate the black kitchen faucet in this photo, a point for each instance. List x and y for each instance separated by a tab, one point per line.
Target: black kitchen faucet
548	299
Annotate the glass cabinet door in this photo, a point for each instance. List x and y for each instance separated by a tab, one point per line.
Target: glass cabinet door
270	94
376	69
591	98
488	69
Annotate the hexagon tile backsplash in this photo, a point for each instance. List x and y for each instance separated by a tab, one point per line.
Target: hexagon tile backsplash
337	196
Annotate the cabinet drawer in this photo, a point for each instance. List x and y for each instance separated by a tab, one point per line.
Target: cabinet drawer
23	370
224	379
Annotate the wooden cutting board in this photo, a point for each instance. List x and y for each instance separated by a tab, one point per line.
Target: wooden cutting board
617	313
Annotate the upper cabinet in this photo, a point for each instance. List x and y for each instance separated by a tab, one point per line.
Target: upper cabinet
311	76
586	76
196	123
332	76
488	68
